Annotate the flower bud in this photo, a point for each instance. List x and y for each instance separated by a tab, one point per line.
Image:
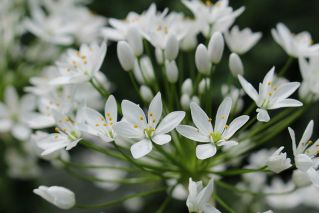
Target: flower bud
204	83
135	40
185	101
195	99
59	196
235	64
216	47
125	55
189	42
278	161
147	68
146	93
159	55
187	87
138	73
172	48
203	63
172	71
300	178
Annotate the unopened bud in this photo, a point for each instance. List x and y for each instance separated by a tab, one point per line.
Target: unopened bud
235	64
187	87
172	48
172	71
204	85
216	47
185	101
147	68
135	40
203	63
159	55
125	55
146	93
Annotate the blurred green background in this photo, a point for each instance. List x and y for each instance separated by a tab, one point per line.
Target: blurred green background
260	15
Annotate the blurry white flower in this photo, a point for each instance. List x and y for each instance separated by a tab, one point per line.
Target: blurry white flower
172	48
135	40
98	125
147	68
205	133
270	96
125	55
278	161
309	70
216	47
202	60
306	153
299	45
135	125
300	178
186	87
241	42
68	135
199	197
211	18
59	196
235	64
134	204
159	55
185	101
172	71
14	113
146	93
236	95
80	66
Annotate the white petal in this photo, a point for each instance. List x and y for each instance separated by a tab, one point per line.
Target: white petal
200	119
222	115
228	144
11	97
141	148
263	115
111	107
155	110
248	88
133	113
171	121
28	103
303	162
205	151
285	91
5	125
127	130
234	126
192	133
293	139
205	194
305	137
161	139
62	197
314	176
21	132
286	103
207	208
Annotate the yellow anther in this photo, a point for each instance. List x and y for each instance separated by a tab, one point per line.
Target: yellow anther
135	126
111	123
141	118
151	114
104	124
56	129
270	93
110	119
222	117
102	118
108	114
64	129
210	119
97	125
209	3
154	120
226	126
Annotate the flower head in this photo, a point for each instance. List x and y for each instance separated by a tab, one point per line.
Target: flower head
271	95
278	161
204	132
146	129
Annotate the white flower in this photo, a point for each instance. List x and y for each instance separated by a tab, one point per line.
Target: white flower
14	113
199	197
98	125
235	64
219	135
241	42
68	135
185	101
59	196
202	60
211	18
270	96
136	126
309	70
216	47
305	154
278	161
298	45
80	66
125	55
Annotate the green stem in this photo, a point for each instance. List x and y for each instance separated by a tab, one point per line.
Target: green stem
286	66
120	200
239	171
224	204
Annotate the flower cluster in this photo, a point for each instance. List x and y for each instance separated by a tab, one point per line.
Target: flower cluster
173	62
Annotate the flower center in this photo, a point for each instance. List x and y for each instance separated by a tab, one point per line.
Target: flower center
149	131
215	136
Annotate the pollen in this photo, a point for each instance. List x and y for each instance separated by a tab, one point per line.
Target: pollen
135	126
110	119
97	125
154	120
210	119
270	93
226	126
269	83
141	118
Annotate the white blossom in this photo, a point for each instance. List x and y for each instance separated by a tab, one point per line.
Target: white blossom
278	161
